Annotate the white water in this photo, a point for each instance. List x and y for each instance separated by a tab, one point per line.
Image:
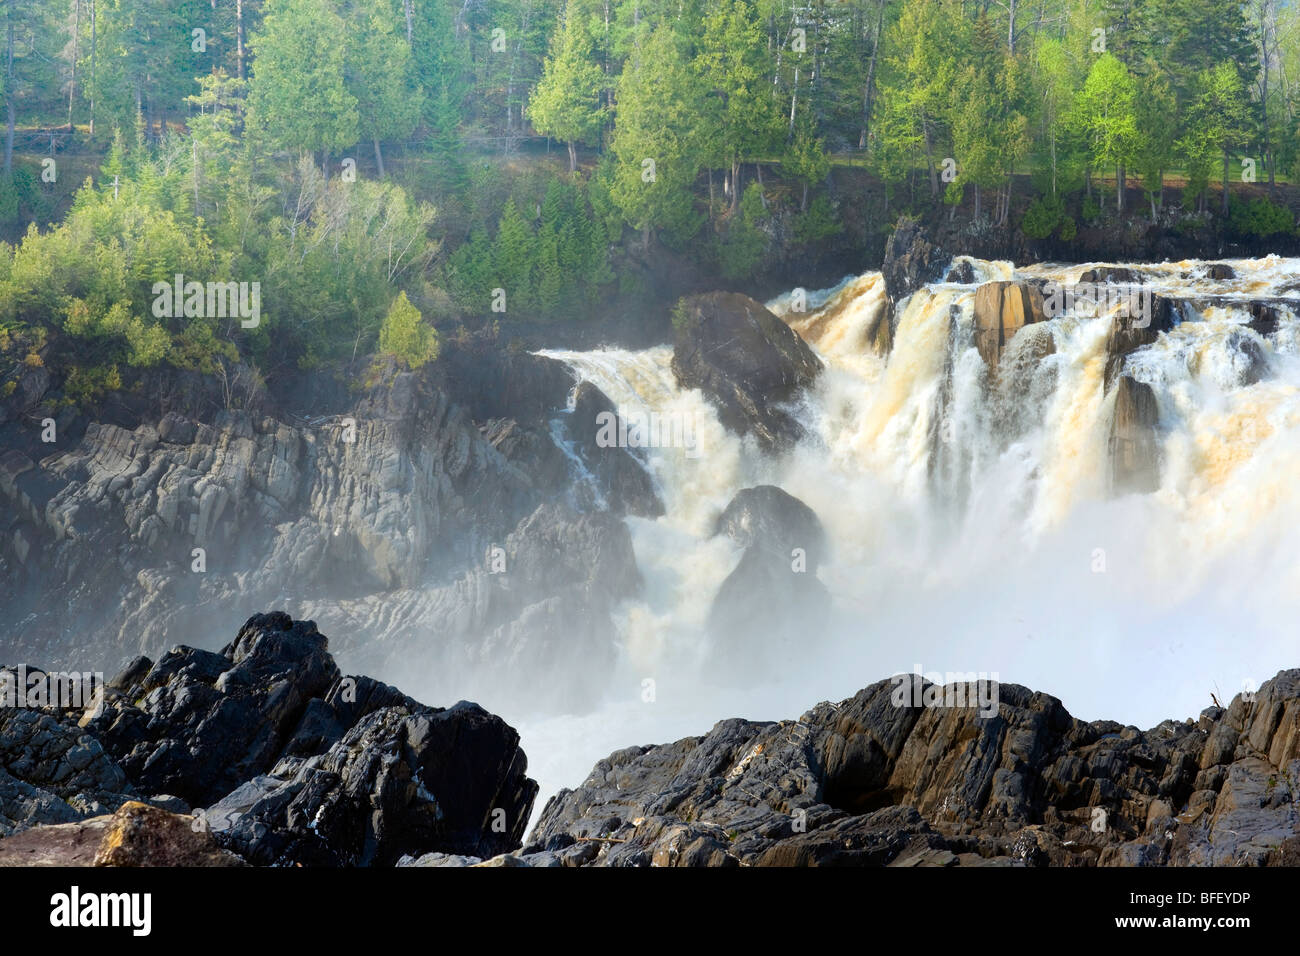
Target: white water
994	563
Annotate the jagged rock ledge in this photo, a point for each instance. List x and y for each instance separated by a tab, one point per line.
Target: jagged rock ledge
882	779
263	753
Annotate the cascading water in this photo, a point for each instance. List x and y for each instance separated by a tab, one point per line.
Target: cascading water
972	526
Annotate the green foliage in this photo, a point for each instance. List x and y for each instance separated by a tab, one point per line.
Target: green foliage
741	247
817	224
566	101
406	336
298	98
1262	219
660	141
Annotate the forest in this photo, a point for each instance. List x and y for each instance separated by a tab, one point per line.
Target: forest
389	171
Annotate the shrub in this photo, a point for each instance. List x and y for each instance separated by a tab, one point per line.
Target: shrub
406	336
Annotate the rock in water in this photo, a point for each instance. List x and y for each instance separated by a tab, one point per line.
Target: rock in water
1114	275
1001	310
746	360
911	260
772	603
622	478
961	272
1134	449
1129	332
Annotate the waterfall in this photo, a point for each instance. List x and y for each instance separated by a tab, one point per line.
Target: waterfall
971	523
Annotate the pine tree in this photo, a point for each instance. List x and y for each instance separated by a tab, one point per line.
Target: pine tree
566	101
297	98
513	256
381	77
660	137
405	335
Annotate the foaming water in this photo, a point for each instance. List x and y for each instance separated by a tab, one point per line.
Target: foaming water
971	525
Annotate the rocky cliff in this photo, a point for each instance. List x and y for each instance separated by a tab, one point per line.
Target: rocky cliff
266	748
907	773
400	519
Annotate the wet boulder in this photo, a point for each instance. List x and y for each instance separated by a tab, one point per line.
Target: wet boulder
772	602
1133	445
746	360
961	272
912	259
1001	310
622	480
1114	275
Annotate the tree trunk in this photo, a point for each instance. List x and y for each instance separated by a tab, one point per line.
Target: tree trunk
929	162
76	36
868	91
94	81
9	91
1225	182
239	38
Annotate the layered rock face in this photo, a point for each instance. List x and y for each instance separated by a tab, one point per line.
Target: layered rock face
906	773
746	360
284	759
540	602
1134	453
1001	310
400	499
913	259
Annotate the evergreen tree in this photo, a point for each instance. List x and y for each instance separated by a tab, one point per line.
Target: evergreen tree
297	97
513	256
566	101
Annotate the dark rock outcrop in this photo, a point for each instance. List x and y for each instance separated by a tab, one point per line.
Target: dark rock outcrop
773	602
54	771
402	778
1249	359
911	260
746	360
1132	329
961	272
622	481
294	762
1113	275
1220	271
906	773
1132	443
